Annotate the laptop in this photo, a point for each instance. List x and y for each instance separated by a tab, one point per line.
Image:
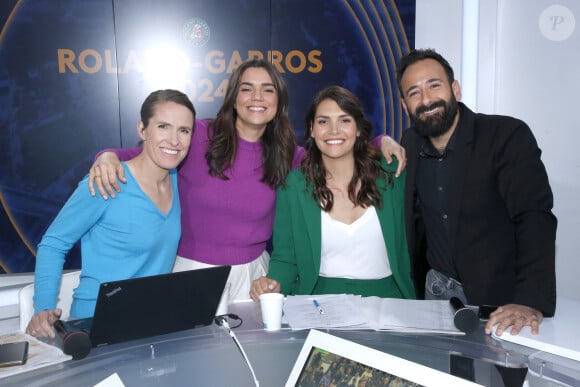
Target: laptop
150	306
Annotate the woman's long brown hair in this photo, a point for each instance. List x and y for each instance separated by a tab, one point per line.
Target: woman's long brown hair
367	159
278	141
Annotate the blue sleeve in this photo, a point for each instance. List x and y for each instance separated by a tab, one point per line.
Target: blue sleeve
79	214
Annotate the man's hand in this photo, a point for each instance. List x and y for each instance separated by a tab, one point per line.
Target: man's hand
263	285
104	172
391	148
40	324
516	316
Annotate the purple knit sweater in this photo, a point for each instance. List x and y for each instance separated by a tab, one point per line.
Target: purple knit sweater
223	222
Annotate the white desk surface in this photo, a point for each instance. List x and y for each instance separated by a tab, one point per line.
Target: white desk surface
559	335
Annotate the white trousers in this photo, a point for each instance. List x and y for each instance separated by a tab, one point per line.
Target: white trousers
241	276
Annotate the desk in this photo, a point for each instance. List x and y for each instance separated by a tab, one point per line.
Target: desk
208	356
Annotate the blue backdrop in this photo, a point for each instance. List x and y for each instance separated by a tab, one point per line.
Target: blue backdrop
73	74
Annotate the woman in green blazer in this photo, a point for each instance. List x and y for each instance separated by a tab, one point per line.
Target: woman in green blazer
339	225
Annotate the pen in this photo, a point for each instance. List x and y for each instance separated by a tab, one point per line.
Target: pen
317	306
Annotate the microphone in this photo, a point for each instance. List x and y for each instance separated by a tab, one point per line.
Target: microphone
75	342
464	318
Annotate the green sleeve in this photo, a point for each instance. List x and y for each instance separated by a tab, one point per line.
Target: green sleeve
283	266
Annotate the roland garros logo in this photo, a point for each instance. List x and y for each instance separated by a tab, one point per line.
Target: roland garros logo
196	31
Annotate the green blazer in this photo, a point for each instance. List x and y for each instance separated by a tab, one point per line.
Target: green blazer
295	261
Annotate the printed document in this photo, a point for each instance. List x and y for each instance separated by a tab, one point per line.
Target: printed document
347	311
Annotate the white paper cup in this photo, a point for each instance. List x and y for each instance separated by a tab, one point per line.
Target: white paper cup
271	306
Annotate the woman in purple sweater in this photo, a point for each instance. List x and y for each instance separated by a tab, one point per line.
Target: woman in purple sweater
228	182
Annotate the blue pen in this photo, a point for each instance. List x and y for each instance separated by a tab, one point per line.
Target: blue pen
317	306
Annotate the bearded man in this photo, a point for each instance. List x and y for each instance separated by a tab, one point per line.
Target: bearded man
478	205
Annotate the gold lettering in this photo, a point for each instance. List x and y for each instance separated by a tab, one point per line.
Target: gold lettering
255	55
216	66
83	61
66	58
276	57
109	68
302	61
132	63
314	58
220	92
207	89
91	61
235	61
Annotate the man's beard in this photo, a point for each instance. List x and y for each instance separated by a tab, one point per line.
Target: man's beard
436	125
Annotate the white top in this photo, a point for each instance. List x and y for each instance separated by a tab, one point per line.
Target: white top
355	251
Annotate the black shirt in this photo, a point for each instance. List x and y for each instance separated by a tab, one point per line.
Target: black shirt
435	172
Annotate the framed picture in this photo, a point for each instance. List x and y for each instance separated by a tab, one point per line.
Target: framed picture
327	360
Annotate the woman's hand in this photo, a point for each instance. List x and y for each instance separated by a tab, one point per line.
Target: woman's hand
391	148
263	285
104	173
40	324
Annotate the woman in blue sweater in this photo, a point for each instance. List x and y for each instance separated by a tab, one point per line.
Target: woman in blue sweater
134	236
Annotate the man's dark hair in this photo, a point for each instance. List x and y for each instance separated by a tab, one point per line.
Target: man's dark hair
419	55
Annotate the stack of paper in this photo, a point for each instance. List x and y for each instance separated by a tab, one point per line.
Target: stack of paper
324	311
347	311
429	316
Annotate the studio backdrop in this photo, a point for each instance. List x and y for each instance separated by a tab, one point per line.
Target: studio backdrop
73	75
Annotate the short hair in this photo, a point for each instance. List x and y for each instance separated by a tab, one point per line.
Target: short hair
167	95
418	55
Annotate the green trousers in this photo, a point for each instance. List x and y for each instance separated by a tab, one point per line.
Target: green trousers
384	287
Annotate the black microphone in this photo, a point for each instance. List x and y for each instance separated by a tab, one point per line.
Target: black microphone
464	318
75	342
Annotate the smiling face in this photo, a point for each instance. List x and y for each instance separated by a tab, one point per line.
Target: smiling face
167	136
429	98
256	102
334	131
